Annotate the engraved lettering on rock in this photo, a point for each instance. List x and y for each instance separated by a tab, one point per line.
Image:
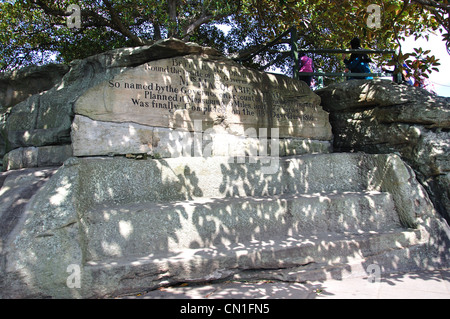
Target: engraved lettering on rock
204	88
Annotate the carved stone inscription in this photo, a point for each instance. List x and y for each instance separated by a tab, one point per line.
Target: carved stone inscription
173	93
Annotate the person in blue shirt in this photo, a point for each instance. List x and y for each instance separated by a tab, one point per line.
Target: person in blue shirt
358	63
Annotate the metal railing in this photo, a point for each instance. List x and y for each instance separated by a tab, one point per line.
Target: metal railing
295	52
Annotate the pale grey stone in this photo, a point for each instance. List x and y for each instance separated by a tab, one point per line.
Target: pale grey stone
213	95
44	156
90	138
16	86
383	117
83	88
130	224
45	118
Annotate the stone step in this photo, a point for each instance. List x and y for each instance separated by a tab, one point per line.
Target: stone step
121	221
147	228
121	181
176	179
295	258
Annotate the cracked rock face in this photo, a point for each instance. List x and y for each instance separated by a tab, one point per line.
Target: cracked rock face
19	85
383	117
131	225
162	102
42	114
152	96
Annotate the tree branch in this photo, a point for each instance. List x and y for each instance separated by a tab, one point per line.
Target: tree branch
197	23
173	24
206	17
156	31
434	4
120	27
50	11
95	19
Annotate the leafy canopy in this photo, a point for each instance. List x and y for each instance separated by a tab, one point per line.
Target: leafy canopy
36	31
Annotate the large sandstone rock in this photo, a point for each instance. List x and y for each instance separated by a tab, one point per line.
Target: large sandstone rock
17	187
45	118
209	95
106	226
151	96
21	84
384	117
17	86
45	156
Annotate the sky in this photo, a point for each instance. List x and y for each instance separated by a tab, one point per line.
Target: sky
441	79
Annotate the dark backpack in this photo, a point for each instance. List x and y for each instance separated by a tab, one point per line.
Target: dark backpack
358	66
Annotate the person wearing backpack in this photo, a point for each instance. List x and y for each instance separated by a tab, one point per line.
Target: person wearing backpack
358	63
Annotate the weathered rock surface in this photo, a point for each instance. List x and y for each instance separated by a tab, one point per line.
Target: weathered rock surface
16	189
150	96
45	118
19	85
45	156
208	95
384	117
110	225
130	225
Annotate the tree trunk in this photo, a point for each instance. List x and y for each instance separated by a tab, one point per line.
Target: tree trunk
173	21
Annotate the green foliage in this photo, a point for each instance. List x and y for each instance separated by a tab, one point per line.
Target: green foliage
332	24
422	64
35	31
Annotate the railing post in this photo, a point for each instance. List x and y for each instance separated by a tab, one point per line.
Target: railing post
398	78
295	54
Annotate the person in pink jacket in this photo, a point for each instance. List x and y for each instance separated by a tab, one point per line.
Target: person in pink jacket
306	65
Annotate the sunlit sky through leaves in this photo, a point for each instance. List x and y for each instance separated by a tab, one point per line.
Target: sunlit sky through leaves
440	80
